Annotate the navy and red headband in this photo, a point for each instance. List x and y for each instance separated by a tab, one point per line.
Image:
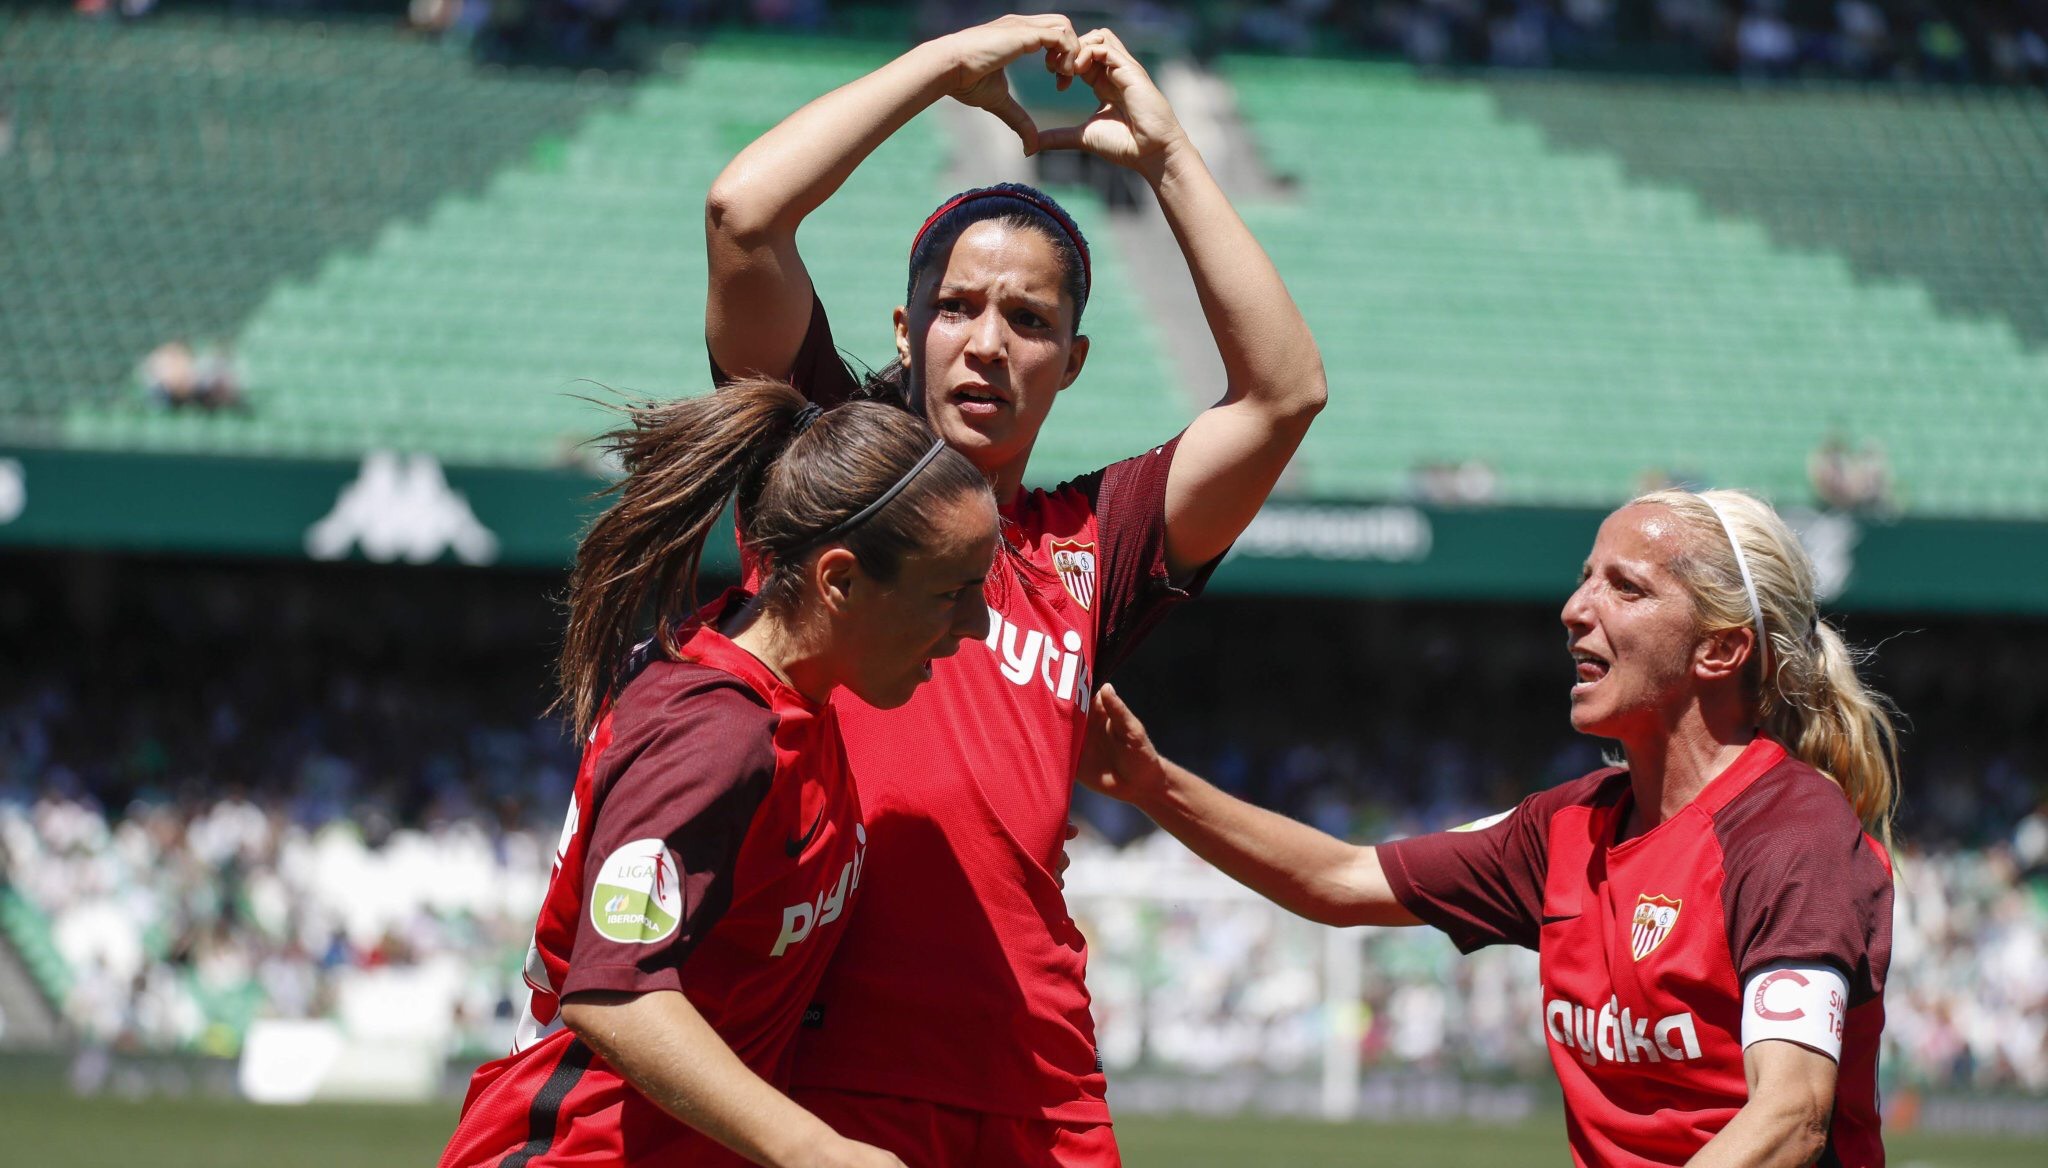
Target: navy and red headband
1052	212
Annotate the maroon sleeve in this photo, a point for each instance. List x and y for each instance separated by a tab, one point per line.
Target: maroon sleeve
818	370
1484	886
1802	883
692	757
1136	589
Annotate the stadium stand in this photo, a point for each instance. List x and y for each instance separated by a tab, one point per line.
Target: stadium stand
1479	296
163	176
1939	186
466	333
478	328
1487	295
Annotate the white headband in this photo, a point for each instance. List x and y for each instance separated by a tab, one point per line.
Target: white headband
1756	611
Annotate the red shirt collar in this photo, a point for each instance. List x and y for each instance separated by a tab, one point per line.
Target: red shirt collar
1762	753
699	640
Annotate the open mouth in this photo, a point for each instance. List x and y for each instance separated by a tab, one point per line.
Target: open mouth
1589	668
978	400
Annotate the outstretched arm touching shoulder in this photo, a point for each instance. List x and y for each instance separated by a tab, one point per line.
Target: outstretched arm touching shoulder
760	295
1292	864
1233	453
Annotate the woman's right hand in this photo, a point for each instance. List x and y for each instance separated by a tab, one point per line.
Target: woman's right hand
1117	756
979	55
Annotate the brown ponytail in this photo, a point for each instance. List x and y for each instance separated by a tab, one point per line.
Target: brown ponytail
794	476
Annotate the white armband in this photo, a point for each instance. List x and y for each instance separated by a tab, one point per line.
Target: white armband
1806	1004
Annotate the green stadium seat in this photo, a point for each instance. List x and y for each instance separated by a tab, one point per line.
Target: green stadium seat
1479	294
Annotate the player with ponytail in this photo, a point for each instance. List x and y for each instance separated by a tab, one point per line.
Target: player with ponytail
1713	916
715	843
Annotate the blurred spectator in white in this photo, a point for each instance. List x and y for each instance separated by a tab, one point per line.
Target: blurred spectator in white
1849	478
170	375
175	376
1472	482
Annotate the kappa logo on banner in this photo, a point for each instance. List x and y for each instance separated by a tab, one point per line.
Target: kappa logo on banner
638	896
1655	915
1075	562
401	507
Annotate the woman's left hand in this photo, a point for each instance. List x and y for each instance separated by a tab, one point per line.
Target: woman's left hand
1136	127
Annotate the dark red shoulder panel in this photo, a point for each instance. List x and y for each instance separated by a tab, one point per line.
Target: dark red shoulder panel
1130	520
1802	881
691	758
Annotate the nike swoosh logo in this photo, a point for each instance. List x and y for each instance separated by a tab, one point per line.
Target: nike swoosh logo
795	847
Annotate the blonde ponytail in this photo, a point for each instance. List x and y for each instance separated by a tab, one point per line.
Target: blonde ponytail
1808	693
1839	726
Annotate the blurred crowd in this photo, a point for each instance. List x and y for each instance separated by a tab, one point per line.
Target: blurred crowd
1871	39
1208	983
182	923
229	793
1996	41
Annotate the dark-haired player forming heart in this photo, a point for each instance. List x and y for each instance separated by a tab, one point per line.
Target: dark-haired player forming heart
952	1026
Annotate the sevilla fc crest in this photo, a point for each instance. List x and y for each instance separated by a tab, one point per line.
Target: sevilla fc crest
1075	562
1653	920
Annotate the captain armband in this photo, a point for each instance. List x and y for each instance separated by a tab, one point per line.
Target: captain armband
1806	1004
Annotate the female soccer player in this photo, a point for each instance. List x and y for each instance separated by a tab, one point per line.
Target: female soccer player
953	1025
714	843
1713	919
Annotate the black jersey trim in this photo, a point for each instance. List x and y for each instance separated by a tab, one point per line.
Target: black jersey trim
545	1116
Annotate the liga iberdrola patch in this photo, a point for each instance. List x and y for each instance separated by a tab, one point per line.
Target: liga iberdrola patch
638	897
1653	920
1075	562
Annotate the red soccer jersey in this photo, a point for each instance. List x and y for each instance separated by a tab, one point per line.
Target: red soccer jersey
713	846
961	981
1646	945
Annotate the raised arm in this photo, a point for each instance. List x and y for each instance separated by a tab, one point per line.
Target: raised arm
666	1050
760	295
1234	452
1291	864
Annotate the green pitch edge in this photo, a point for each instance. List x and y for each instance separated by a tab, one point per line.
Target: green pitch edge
477	332
165	175
1480	294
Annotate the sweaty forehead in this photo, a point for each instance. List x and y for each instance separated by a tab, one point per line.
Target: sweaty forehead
1644	532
